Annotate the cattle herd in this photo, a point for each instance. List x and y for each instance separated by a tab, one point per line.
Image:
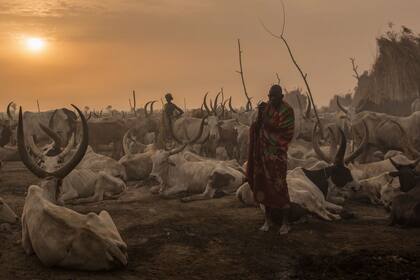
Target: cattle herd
84	157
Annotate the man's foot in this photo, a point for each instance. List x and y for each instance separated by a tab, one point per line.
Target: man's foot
285	228
265	227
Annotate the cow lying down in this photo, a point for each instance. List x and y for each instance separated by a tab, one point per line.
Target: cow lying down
180	171
60	236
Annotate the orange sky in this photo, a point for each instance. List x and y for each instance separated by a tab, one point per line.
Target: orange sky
99	50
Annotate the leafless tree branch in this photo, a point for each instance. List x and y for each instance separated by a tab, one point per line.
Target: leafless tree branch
241	72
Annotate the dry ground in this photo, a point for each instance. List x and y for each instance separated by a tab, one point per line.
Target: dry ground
218	239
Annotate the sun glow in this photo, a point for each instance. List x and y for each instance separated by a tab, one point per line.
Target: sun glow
35	44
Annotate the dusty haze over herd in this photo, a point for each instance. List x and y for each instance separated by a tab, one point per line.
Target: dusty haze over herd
96	52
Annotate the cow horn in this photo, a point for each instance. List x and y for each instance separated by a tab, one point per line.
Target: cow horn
8	111
308	107
205	104
333	146
339	157
54	136
200	132
315	144
177	150
396	165
151	106
68	148
341	106
125	146
66	169
215	103
362	146
171	130
230	105
145	109
88	117
34	148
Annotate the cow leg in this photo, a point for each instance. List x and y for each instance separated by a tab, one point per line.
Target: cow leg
26	241
333	207
207	194
174	190
67	196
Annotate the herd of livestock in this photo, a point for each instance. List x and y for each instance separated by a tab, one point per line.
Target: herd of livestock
346	155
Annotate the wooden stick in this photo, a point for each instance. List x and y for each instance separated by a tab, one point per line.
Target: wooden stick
241	72
304	76
278	78
134	103
37	103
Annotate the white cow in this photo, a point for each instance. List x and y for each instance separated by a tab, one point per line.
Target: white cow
60	236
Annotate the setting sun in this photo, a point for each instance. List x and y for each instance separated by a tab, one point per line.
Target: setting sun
34	44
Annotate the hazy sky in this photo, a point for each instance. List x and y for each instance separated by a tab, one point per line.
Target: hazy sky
99	50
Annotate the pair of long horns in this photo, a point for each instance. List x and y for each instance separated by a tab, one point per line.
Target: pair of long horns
213	105
67	168
151	103
193	141
340	155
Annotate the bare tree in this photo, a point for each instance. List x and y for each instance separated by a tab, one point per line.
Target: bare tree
355	67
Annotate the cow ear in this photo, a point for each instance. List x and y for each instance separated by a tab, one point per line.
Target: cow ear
393	174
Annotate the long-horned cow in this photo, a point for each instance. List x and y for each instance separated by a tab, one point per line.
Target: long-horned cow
60	236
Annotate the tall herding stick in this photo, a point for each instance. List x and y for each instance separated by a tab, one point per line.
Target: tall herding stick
185	105
134	103
241	72
37	103
304	76
353	64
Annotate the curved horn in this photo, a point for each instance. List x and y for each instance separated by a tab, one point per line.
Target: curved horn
315	144
145	109
205	104
333	146
88	117
51	120
215	103
177	150
230	105
361	147
396	165
171	130
341	106
63	171
151	106
339	157
8	111
222	115
34	148
80	153
200	132
23	153
308	107
54	136
125	146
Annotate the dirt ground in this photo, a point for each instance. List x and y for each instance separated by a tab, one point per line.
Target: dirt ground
219	239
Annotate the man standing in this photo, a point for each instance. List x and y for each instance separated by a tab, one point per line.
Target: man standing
170	112
270	136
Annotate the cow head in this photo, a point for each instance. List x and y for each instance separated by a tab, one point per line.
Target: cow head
407	175
63	122
161	159
52	172
6	213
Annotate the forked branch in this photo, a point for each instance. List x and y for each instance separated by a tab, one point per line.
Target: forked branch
355	67
304	75
241	72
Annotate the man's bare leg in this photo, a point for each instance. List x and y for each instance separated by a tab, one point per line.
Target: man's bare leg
268	221
285	226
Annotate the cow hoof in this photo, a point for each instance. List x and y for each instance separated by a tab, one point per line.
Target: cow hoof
265	228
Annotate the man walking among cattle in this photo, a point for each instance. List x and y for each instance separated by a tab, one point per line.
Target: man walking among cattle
270	135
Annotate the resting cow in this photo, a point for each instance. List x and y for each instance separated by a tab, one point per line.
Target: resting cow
60	236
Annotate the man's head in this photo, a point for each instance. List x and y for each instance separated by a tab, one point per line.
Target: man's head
169	97
275	95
